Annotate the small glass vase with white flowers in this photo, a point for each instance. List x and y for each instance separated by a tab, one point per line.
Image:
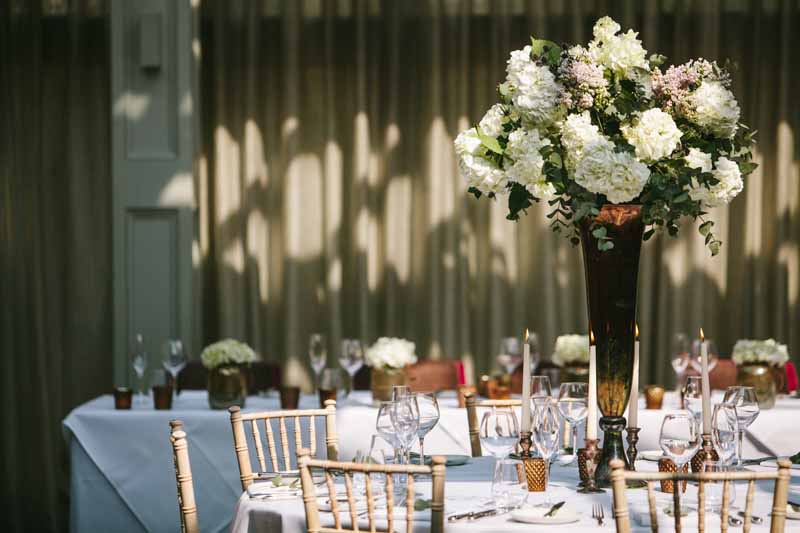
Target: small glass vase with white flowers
388	358
226	361
760	364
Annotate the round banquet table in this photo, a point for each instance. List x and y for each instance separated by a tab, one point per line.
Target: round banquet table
121	463
467	488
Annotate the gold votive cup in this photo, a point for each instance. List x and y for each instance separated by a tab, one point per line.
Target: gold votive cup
483	386
123	398
162	397
326	394
290	397
463	390
535	473
665	464
654	396
498	391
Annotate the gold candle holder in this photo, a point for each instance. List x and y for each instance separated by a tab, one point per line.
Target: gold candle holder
705	453
535	467
633	438
654	396
666	464
592	454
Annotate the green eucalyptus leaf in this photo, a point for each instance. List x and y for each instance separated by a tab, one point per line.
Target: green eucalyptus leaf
277	481
714	247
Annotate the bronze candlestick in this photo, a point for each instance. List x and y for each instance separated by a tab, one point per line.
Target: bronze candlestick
592	457
528	462
632	437
705	453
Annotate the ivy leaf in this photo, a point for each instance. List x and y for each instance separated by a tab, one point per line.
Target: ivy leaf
605	246
649	233
489	142
705	228
600	232
714	247
476	192
547	50
277	481
422	505
294	484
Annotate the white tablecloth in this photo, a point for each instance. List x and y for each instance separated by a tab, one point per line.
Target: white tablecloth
468	488
121	460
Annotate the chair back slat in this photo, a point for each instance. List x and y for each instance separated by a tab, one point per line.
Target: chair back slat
619	478
472	404
273	450
348	470
298	416
259	448
183	477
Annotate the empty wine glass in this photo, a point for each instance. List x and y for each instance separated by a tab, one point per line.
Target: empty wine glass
572	398
174	359
400	391
405	420
428	407
714	490
509	489
510	354
540	390
317	353
746	403
533	342
384	426
680	357
695	359
724	431
693	396
138	356
680	437
499	432
351	359
546	436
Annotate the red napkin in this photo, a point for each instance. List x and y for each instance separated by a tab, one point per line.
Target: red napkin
462	378
791	376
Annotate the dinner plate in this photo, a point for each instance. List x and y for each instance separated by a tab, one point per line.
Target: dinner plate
452	460
791	514
535	515
772	463
651	455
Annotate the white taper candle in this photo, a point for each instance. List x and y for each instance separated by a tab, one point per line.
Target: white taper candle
706	385
591	419
633	404
526	384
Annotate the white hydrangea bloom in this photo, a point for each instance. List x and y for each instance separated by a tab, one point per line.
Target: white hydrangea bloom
714	108
619	53
757	351
730	184
571	349
654	135
391	353
618	175
533	89
468	143
698	159
492	122
527	163
482	174
227	352
577	132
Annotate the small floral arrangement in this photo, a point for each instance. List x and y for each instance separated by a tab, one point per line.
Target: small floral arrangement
755	351
571	349
389	353
582	126
227	352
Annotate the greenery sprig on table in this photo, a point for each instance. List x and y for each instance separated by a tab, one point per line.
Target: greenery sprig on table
579	127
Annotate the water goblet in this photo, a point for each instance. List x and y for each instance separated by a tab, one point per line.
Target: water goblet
499	432
572	404
680	358
174	359
428	407
351	358
724	431
746	403
405	421
138	356
693	396
714	490
400	391
547	437
695	359
510	354
317	353
680	437
540	389
508	490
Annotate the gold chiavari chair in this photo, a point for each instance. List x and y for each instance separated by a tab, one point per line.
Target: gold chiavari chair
619	476
329	468
183	477
239	420
472	405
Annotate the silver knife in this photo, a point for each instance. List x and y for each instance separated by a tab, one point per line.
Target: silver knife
483	514
554	509
460	516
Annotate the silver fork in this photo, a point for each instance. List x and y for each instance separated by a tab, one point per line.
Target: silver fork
597	513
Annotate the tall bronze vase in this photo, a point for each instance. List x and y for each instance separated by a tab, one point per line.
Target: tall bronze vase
611	278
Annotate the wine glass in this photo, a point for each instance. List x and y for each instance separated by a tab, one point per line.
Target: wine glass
546	436
714	490
384	426
572	404
499	432
508	490
351	359
510	354
317	353
695	359
405	421
746	403
724	431
138	356
400	391
540	389
680	437
533	342
428	407
174	359
680	357
693	396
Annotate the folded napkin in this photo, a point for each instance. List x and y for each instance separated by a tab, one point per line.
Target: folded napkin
641	515
269	491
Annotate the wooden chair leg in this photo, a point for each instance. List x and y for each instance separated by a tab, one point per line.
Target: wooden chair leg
472	421
620	498
780	496
240	445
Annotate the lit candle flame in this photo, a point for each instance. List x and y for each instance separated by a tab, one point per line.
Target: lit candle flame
526	335
702	335
636	324
591	338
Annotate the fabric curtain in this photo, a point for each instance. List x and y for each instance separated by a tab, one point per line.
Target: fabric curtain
55	245
330	199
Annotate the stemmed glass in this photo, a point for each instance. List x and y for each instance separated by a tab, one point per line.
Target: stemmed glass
385	427
696	353
405	420
540	389
174	359
546	436
680	357
724	430
693	396
317	353
499	432
680	437
746	403
510	354
138	356
351	359
572	398
428	408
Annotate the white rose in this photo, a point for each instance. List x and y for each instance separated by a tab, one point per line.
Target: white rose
533	89
698	159
577	132
618	175
571	349
492	122
714	108
527	163
654	135
730	184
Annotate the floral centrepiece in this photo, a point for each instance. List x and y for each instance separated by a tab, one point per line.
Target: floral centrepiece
583	126
571	349
227	382
387	358
769	352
